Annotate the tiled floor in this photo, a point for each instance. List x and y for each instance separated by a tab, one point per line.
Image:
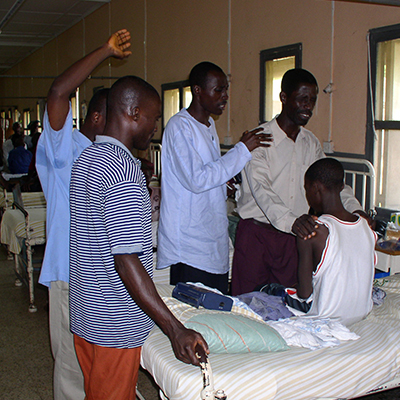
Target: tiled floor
26	363
25	359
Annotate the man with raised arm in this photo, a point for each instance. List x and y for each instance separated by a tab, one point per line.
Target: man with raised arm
58	147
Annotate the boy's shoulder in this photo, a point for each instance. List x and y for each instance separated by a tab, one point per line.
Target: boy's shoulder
316	241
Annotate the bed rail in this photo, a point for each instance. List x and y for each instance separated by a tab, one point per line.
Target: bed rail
360	176
155	158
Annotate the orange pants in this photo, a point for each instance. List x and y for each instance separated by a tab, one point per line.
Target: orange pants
109	374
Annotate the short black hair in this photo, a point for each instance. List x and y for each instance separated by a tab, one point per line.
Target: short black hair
15	125
33	125
17	140
130	90
293	78
198	74
98	103
327	171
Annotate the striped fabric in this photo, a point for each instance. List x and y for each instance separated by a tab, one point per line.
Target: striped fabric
349	370
33	199
110	214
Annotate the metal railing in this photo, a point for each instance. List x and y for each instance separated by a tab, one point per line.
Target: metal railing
360	176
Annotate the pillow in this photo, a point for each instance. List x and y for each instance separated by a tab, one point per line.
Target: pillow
230	333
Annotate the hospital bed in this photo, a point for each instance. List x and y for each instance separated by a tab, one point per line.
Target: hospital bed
23	226
350	370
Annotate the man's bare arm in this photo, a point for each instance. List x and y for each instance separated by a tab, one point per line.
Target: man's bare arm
74	76
310	253
140	286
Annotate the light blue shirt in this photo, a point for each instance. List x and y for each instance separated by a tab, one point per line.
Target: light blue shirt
55	155
193	226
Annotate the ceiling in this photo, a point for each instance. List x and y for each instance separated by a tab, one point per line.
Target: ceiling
27	25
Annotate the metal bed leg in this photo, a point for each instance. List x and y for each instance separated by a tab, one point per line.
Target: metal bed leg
18	281
32	307
139	395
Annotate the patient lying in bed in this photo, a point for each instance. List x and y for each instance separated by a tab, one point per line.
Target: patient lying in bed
336	266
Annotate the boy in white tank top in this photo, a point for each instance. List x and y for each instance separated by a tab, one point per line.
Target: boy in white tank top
337	264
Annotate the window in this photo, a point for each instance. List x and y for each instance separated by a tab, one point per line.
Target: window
17	115
273	64
175	96
74	98
40	106
383	135
27	119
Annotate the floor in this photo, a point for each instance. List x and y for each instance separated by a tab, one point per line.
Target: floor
26	363
25	358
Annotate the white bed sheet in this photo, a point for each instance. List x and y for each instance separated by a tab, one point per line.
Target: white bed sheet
347	371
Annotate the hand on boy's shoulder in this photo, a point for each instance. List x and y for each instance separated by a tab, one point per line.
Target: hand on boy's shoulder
305	227
318	238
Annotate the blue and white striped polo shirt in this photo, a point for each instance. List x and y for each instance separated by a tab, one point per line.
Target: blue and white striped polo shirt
110	214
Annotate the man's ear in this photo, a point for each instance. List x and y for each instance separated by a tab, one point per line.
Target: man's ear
134	112
283	97
95	117
196	89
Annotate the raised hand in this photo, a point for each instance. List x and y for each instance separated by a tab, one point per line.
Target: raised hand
119	42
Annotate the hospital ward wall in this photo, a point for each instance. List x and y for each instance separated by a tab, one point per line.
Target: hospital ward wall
170	37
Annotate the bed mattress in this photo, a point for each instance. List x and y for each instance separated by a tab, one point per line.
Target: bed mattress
349	370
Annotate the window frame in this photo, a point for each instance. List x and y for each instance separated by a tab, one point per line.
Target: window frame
376	36
170	86
290	50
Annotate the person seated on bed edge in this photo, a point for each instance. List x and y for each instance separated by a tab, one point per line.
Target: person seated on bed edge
336	266
193	228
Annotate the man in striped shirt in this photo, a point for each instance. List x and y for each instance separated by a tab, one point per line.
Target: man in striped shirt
112	297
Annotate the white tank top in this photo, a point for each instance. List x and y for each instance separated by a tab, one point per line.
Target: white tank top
342	282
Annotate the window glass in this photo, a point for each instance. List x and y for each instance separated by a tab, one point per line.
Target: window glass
187	96
387	165
17	115
388	81
274	70
73	109
273	64
383	125
175	96
27	119
171	104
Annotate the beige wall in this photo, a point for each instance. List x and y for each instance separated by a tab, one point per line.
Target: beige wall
181	33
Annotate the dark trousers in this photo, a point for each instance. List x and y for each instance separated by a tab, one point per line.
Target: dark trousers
185	273
262	255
